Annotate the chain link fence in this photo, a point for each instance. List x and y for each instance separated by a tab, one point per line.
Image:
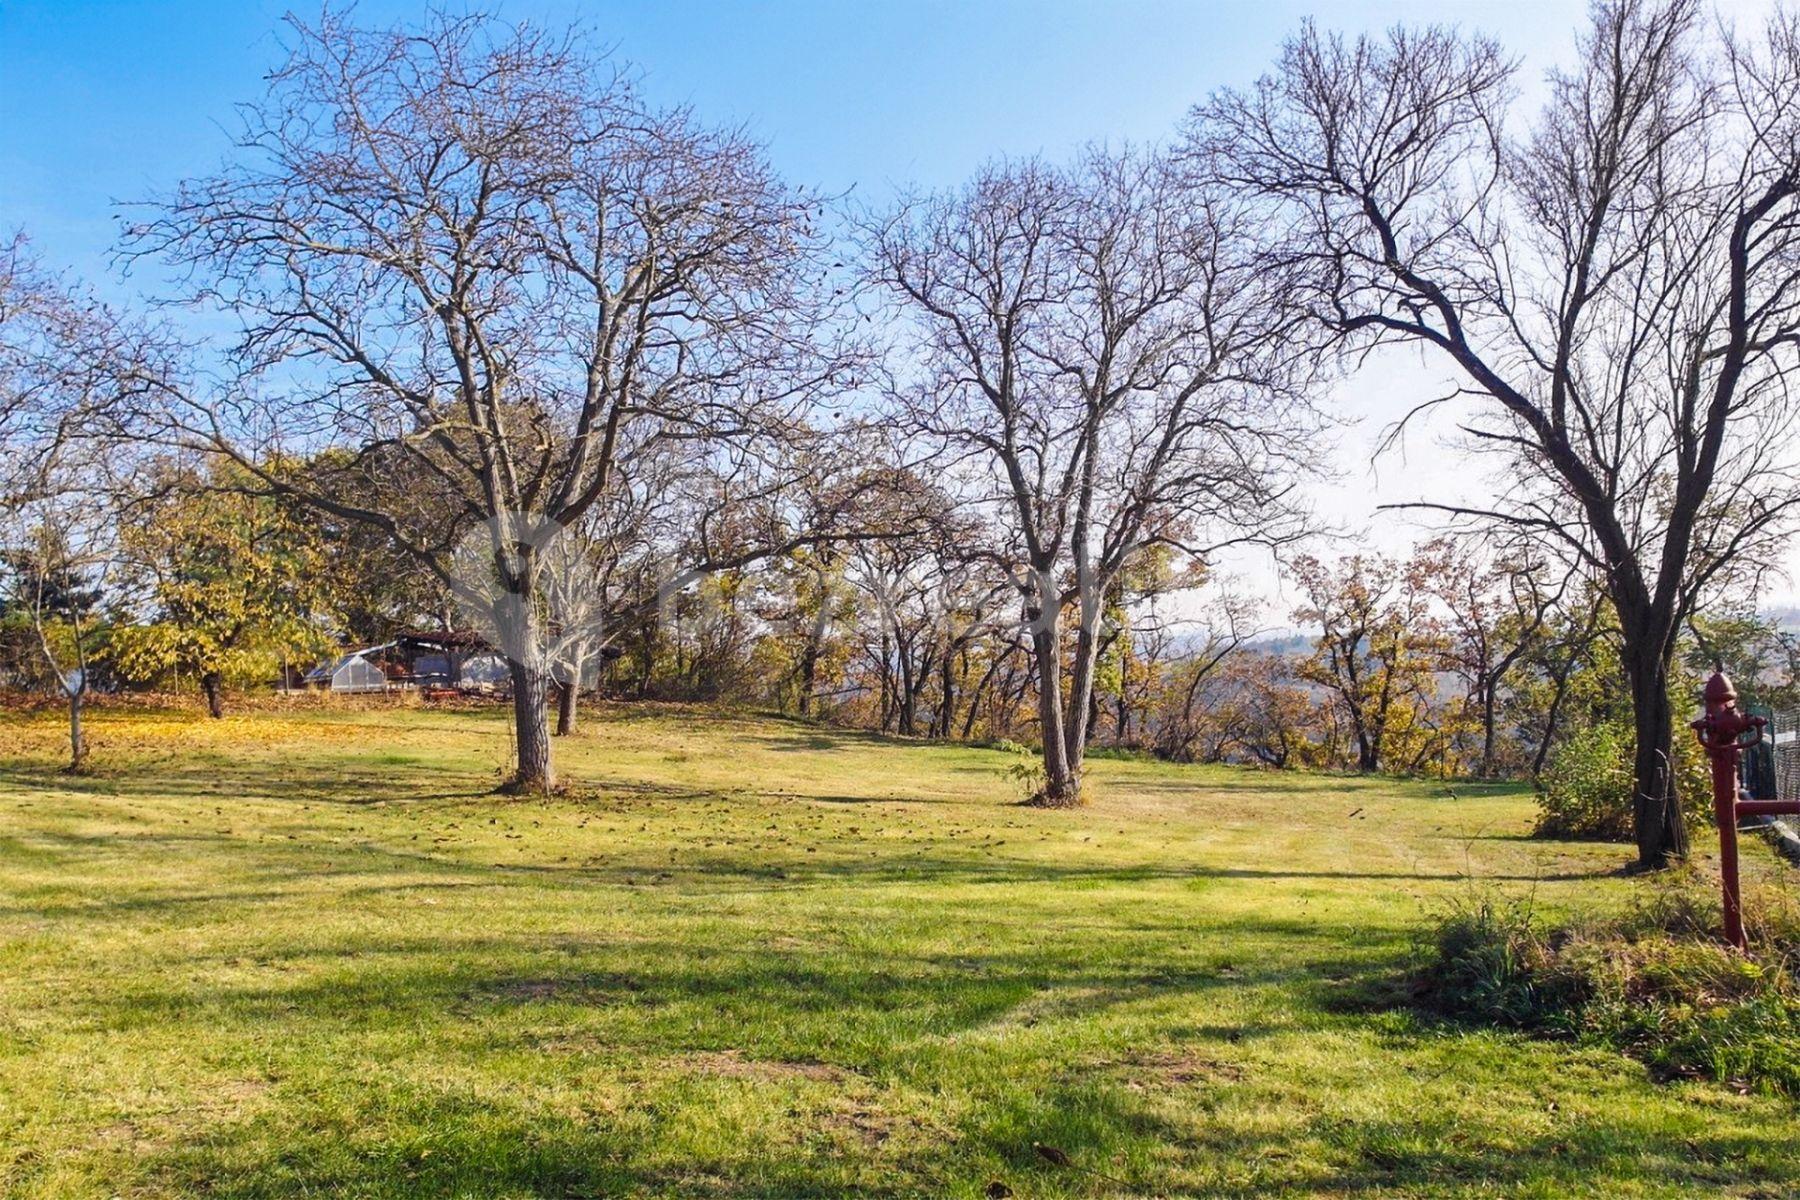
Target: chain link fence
1771	771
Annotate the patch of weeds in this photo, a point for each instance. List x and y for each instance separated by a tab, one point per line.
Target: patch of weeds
1655	981
1492	960
1028	774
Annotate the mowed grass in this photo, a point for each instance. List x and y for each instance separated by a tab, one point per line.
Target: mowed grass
308	954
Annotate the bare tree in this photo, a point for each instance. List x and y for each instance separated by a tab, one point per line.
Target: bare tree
1100	348
56	563
1576	633
1616	287
46	331
65	361
614	560
1227	624
471	248
910	585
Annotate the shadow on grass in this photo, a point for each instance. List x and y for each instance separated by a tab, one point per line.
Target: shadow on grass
485	1061
706	1074
790	867
415	1142
796	1111
733	1046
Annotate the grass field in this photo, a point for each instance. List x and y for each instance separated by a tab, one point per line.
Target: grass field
308	954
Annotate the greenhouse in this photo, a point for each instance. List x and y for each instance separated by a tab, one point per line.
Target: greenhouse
353	672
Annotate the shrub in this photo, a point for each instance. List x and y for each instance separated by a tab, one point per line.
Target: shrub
1027	773
1585	790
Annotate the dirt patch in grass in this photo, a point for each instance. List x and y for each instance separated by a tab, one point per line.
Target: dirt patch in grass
864	1124
1182	1067
731	1064
531	989
119	1133
240	1091
1171	1068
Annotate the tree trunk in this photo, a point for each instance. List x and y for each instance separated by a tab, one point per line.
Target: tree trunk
946	713
887	684
651	635
809	675
1077	720
568	697
968	728
1656	805
1489	702
214	686
1542	754
78	749
909	693
1062	783
1091	726
531	727
1368	750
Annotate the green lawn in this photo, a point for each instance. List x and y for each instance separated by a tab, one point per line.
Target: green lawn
308	955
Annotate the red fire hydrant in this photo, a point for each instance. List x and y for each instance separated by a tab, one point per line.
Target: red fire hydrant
1721	731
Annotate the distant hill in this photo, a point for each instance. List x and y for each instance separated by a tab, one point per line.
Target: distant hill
1289	644
1786	617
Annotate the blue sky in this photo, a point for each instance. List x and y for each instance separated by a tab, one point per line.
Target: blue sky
102	102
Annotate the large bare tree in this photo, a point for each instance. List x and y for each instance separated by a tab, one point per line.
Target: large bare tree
1100	346
473	258
1616	286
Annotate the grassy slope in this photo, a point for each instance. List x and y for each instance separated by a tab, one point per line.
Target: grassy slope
306	955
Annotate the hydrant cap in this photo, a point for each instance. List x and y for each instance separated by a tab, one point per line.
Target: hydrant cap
1719	689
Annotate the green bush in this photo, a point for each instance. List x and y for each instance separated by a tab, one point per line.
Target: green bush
1585	790
1655	981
